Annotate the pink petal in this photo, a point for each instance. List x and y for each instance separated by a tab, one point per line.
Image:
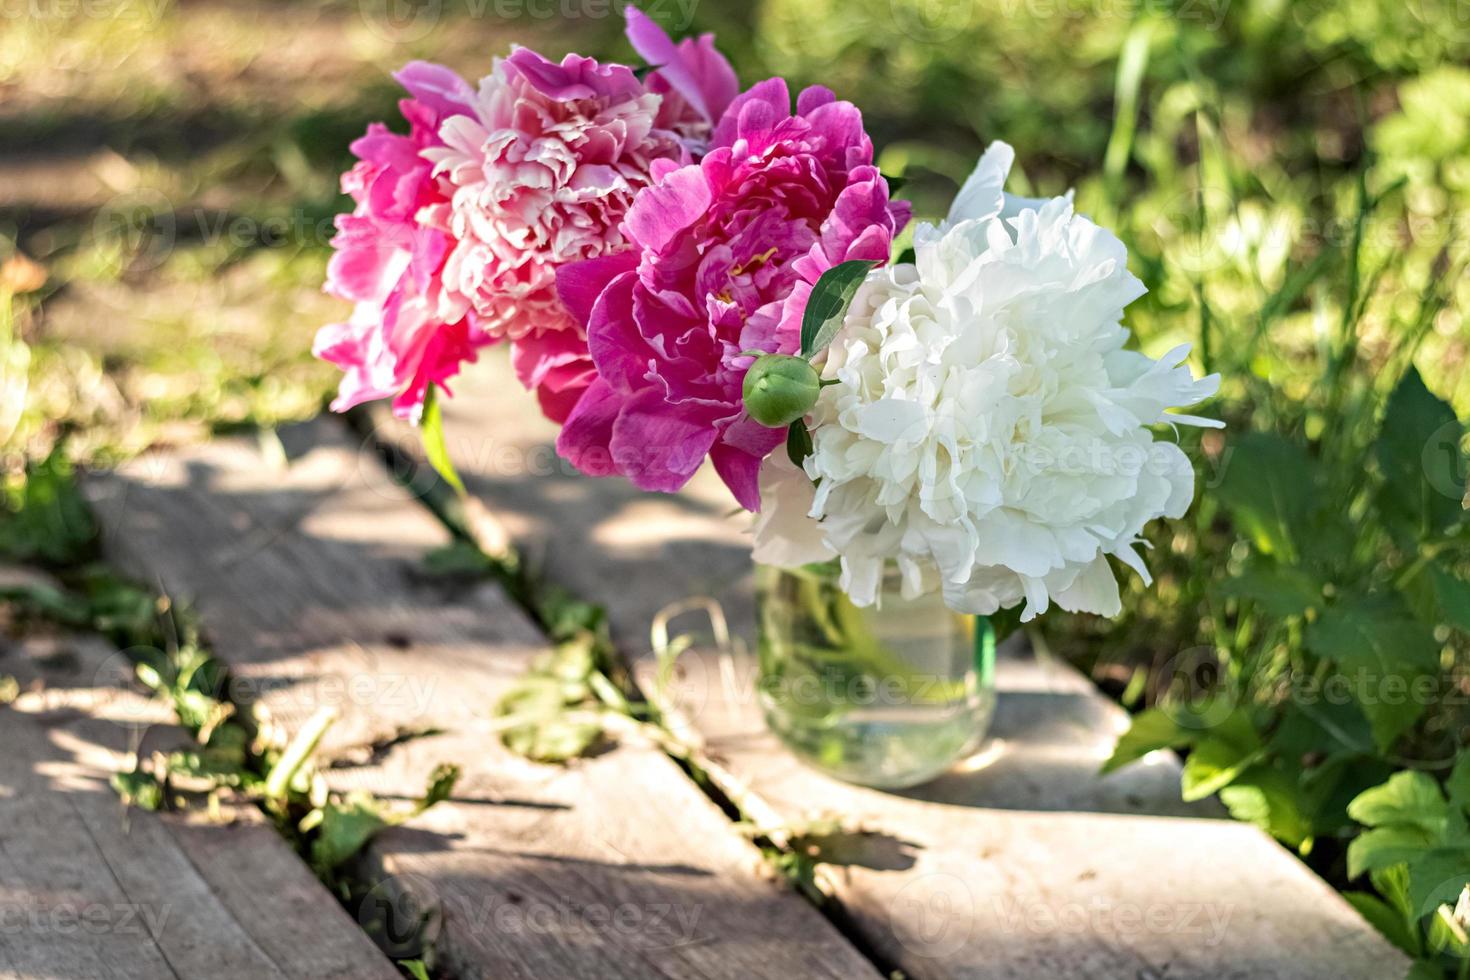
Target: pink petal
558	405
659	445
620	351
758	107
587	435
695	70
439	88
659	213
741	473
812	97
578	284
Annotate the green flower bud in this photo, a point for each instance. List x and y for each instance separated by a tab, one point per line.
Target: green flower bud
779	389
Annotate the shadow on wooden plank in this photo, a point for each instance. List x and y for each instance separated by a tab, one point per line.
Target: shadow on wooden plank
89	889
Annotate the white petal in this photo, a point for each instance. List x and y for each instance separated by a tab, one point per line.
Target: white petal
981	196
1094	590
784	535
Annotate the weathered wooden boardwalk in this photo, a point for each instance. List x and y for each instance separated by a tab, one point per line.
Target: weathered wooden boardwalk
1024	864
87	890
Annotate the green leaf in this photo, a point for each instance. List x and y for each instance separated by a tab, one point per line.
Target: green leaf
1384	651
1418	453
1389	714
539	706
1279	590
431	431
45	602
1151	730
798	442
441	785
1270	799
1386	920
1328	788
1385	847
344	829
1409	797
415	969
44	517
460	560
1452	593
553	740
1314	724
1458	783
139	789
1213	765
828	303
1267	487
1393	884
1437	877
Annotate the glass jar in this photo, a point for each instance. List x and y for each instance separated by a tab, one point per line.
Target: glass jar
889	696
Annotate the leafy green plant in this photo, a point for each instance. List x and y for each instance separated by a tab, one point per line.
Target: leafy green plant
1343	624
43	517
1416	853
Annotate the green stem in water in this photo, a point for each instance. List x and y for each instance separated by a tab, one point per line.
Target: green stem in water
812	629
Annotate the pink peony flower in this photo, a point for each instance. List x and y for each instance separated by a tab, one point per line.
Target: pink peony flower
724	255
389	263
541	171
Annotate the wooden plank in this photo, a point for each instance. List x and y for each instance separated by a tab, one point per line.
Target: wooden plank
1025	862
305	579
88	890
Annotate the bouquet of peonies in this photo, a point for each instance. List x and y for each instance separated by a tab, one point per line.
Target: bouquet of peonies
684	271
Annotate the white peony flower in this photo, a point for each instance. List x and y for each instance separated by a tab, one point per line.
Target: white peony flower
987	431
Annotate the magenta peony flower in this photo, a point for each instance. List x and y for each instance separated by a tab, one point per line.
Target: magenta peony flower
724	255
541	172
389	264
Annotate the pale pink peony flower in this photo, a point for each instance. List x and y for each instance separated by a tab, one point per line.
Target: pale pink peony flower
724	255
388	262
540	173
